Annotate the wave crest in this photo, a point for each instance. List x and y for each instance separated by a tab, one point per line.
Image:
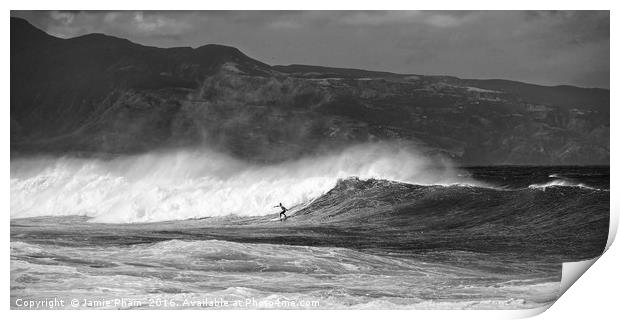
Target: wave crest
560	183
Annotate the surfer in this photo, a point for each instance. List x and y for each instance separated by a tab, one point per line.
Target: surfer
283	211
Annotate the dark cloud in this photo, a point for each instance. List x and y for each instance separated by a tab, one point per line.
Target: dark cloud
546	47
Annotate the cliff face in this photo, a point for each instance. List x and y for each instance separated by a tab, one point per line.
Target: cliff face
100	94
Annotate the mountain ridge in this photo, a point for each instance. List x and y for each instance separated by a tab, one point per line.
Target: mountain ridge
297	67
16	20
101	94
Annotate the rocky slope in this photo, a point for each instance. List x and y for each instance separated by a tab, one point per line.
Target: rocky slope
101	94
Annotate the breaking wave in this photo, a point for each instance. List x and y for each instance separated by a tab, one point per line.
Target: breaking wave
177	185
561	183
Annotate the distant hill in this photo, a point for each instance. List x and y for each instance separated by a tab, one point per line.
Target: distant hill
97	94
563	95
324	72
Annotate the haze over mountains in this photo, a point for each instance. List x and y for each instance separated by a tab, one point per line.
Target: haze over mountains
100	94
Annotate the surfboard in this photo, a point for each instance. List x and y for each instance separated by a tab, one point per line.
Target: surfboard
278	219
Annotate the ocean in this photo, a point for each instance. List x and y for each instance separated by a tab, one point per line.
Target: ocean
373	227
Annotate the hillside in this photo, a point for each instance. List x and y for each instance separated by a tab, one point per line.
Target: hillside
100	94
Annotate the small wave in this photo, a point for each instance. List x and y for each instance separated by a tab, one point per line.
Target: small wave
18	247
562	183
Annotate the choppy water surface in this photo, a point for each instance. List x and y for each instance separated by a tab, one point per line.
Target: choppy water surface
479	238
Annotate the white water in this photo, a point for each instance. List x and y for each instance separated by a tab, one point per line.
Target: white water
209	270
560	183
190	184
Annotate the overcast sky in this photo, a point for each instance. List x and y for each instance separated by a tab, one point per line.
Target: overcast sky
539	47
